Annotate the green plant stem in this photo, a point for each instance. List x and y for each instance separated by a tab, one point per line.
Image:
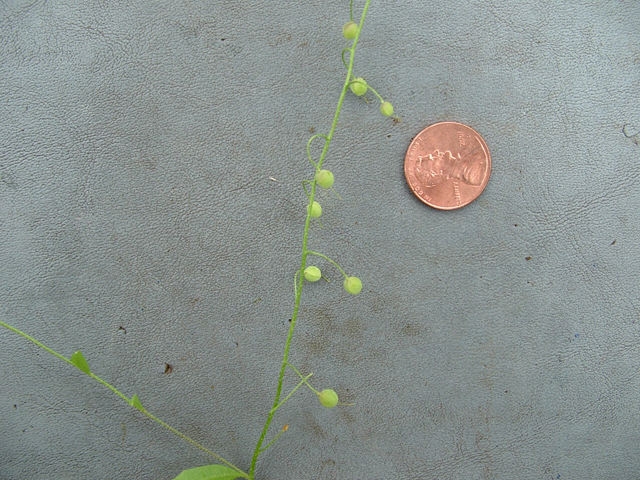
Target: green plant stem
328	259
126	399
369	88
296	282
241	473
272	441
304	379
317	135
305	236
44	347
304	185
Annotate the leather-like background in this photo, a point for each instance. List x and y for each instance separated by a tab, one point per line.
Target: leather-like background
151	212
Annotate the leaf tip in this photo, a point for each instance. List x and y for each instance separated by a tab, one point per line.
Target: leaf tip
79	361
135	402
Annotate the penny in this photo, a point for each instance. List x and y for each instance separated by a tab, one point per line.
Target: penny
447	165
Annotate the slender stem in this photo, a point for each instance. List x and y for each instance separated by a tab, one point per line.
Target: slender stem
296	283
304	379
110	387
369	87
327	258
309	147
304	185
305	235
126	399
343	60
44	347
195	444
272	441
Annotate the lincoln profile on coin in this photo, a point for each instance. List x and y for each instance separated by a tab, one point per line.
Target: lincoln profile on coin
436	167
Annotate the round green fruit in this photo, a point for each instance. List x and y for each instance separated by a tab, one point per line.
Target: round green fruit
312	274
350	30
315	210
353	285
359	86
386	109
328	398
324	178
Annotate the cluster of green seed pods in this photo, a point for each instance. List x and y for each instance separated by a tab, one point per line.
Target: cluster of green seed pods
359	85
325	179
352	285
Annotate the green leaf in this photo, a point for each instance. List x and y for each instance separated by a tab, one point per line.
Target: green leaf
135	402
209	472
79	361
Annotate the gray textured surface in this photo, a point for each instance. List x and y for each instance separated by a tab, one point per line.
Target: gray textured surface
138	139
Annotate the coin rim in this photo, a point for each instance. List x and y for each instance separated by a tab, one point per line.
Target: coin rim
484	183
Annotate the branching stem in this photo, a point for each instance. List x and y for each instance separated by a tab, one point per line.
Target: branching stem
304	379
303	261
298	284
128	400
328	259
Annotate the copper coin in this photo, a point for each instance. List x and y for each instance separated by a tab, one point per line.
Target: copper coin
447	165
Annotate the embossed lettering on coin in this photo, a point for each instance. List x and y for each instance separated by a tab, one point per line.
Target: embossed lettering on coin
447	165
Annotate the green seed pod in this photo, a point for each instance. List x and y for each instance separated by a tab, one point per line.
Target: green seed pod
359	86
328	398
353	285
312	274
324	178
386	109
316	209
350	30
